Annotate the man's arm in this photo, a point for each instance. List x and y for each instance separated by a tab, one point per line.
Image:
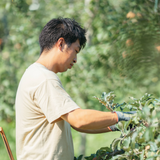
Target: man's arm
90	119
103	130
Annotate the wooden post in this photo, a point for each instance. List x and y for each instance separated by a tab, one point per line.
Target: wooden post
6	144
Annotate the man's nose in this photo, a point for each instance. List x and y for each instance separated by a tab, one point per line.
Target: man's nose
75	59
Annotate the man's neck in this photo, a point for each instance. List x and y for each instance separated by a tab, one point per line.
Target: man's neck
48	59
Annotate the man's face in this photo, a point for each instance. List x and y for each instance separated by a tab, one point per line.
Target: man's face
69	56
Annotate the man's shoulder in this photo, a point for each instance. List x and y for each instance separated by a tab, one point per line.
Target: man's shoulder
40	71
36	74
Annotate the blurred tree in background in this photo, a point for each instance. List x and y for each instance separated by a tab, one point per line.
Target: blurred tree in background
122	52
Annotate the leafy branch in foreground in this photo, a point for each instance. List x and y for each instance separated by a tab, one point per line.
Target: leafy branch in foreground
140	142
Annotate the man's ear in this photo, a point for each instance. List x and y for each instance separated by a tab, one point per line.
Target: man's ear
60	44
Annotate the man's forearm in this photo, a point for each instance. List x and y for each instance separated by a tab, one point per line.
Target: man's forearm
93	131
90	119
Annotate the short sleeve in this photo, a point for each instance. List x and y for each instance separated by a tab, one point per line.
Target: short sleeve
53	100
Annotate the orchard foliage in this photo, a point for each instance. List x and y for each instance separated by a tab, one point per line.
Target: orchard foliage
140	142
127	43
132	33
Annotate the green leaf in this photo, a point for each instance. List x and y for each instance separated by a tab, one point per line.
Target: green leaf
146	111
126	143
121	125
126	124
153	146
115	143
120	157
158	138
80	157
142	155
106	149
135	120
90	157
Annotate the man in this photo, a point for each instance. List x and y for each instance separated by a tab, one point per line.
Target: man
44	111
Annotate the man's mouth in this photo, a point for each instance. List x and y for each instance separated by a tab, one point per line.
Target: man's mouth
71	65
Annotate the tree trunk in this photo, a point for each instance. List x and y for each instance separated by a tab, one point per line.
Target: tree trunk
83	143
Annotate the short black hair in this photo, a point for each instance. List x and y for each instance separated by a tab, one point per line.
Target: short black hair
66	28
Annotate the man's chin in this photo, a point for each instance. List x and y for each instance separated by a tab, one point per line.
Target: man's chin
65	69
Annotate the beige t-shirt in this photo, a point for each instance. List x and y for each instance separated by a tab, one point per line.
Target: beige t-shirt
40	100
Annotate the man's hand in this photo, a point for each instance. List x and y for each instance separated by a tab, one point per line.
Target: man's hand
125	116
114	128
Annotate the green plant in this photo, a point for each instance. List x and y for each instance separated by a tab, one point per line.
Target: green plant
142	141
79	157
